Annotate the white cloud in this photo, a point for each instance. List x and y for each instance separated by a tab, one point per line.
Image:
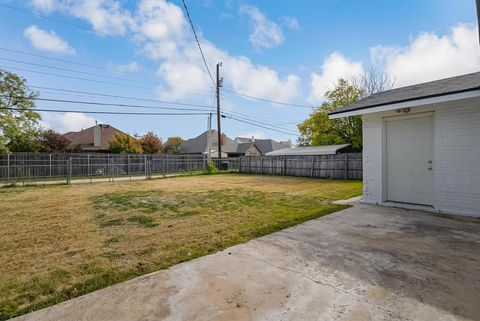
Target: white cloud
45	5
47	40
291	22
160	29
130	67
334	67
265	33
430	56
107	17
66	122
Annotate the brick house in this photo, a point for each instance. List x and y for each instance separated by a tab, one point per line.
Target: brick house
93	139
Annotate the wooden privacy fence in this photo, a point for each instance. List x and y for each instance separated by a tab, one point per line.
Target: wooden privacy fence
338	166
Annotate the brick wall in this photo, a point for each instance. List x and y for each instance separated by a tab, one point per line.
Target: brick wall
456	156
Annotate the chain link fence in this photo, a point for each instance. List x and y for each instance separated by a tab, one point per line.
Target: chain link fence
27	168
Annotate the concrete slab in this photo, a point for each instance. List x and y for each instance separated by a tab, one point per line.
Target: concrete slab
363	263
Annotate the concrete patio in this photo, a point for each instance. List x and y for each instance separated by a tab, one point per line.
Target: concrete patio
363	263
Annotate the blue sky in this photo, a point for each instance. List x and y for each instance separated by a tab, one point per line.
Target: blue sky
289	51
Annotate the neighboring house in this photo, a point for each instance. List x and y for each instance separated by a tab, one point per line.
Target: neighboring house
93	139
248	149
198	145
311	151
421	145
230	148
264	145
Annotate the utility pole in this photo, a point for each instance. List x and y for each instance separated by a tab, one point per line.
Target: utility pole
219	129
478	18
209	138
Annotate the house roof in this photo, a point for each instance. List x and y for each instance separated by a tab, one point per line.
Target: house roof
264	145
242	148
85	137
453	85
312	150
198	145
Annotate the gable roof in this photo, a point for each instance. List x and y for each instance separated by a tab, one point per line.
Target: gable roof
85	137
264	145
198	145
268	145
448	86
242	148
311	150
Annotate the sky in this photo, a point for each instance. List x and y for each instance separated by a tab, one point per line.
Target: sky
283	51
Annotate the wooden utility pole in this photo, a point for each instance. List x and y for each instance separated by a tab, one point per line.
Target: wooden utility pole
478	18
219	129
209	138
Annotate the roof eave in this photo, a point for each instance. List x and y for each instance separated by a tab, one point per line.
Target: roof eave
407	104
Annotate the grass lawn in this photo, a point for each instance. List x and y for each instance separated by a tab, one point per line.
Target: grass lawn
59	242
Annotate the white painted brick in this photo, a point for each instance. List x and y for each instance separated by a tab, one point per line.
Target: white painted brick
456	156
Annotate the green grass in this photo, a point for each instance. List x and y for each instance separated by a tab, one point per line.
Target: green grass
60	243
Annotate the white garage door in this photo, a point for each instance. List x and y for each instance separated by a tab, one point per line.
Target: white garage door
409	152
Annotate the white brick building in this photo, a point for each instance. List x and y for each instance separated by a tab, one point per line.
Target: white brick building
421	145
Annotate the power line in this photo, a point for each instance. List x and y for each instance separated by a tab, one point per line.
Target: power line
107	112
66	61
84	79
44	17
257	121
77	71
95	103
198	42
267	100
121	97
261	126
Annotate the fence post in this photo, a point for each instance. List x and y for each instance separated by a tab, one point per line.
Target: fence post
345	174
284	166
8	167
261	166
69	169
50	165
313	167
89	168
249	164
23	171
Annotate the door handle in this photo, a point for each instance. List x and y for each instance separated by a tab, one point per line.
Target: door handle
430	168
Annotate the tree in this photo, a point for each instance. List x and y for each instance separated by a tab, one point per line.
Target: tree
318	129
125	144
54	142
173	145
25	141
151	144
18	120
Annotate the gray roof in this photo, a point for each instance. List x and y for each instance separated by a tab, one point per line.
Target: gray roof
198	145
243	147
312	150
268	145
241	140
431	89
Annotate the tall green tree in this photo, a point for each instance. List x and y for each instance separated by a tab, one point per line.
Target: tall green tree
318	129
18	120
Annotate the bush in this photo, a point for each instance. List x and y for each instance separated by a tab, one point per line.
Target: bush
211	168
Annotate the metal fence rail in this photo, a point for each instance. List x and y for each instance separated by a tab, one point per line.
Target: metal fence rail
338	166
25	167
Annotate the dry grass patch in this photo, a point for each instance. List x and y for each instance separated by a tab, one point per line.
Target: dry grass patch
60	242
